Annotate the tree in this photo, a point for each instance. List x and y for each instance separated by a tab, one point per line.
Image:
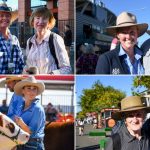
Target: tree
99	96
140	81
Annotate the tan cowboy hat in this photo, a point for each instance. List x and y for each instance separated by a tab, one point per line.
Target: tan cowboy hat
126	19
128	104
5	8
30	81
14	78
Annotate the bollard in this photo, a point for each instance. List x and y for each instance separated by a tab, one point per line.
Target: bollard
102	144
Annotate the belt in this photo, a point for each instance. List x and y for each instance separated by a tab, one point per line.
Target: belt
35	140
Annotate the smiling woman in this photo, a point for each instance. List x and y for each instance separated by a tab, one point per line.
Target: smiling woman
127	57
29	88
11	56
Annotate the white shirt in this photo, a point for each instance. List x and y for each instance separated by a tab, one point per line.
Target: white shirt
40	56
146	62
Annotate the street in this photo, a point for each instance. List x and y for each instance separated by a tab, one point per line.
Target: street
87	142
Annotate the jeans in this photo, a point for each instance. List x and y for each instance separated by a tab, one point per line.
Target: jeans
31	146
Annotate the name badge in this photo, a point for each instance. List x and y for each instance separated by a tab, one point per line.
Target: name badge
11	65
1	54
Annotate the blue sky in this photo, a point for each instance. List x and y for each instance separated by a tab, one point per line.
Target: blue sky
138	7
14	3
123	83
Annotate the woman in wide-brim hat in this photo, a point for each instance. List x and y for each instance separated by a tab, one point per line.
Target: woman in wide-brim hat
126	58
30	115
133	113
11	56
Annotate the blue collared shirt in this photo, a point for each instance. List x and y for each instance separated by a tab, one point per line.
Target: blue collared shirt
15	102
34	118
136	67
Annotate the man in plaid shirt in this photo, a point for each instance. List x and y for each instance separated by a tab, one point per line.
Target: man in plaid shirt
11	57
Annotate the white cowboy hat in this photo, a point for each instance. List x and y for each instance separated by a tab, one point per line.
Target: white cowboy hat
5	8
126	19
128	104
30	81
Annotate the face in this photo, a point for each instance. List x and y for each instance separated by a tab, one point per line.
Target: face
11	85
40	24
134	120
128	37
5	19
30	92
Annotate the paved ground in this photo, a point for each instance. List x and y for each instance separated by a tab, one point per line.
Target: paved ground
87	142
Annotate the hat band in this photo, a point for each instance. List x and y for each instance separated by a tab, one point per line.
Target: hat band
132	107
127	22
2	8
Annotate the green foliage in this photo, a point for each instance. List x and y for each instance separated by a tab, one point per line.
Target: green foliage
98	97
140	81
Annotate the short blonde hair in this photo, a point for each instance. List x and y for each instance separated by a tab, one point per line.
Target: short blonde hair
43	12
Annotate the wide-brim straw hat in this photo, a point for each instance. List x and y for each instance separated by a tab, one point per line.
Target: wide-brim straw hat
126	19
30	81
128	104
5	8
14	78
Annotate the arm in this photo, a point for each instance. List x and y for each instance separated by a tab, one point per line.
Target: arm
62	56
103	65
18	56
21	123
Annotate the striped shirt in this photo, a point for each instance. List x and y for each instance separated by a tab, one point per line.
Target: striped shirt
40	56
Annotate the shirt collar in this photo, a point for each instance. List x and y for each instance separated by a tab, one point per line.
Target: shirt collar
138	52
46	37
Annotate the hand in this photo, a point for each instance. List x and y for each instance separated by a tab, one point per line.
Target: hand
19	121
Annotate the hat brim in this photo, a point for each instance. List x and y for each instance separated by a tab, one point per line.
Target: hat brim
19	86
142	28
120	114
148	32
14	78
14	14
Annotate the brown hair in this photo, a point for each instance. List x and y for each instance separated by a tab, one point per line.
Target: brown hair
44	12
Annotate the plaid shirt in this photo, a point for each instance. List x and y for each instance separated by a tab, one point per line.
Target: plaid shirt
8	56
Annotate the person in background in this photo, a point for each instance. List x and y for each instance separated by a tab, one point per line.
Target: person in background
86	63
127	57
130	136
68	38
16	100
81	127
4	107
51	113
11	56
114	43
30	115
38	50
146	58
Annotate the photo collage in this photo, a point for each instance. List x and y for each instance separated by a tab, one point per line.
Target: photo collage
74	75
